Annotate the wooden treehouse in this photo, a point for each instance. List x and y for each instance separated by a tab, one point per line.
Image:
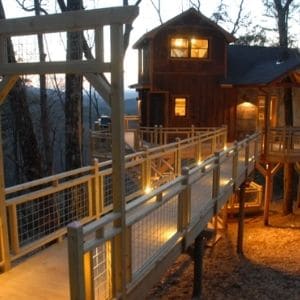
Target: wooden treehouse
115	226
192	74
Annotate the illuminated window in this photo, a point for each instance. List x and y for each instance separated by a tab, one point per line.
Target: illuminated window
180	107
189	48
179	47
199	48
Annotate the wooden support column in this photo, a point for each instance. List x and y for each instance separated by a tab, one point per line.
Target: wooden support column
118	162
240	235
267	125
76	261
4	242
268	193
198	262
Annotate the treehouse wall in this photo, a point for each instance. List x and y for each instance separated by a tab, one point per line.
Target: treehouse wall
197	80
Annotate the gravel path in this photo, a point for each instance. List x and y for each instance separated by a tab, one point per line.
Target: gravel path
269	269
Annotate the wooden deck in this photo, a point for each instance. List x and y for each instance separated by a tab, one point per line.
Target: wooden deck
43	276
160	225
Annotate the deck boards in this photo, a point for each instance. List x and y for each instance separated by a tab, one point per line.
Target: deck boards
43	276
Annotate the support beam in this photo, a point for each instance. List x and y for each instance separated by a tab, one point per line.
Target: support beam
72	67
100	85
68	21
6	85
198	261
240	235
118	162
4	244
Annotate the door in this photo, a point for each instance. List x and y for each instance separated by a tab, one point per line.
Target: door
246	119
157	109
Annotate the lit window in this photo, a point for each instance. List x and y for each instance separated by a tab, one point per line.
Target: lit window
180	107
179	47
189	48
199	48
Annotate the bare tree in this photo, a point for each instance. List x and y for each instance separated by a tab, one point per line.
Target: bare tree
30	161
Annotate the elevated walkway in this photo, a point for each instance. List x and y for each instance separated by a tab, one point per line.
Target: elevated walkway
162	219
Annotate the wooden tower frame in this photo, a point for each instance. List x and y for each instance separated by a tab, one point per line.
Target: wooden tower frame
93	70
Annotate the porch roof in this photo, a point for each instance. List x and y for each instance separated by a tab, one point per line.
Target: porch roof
255	65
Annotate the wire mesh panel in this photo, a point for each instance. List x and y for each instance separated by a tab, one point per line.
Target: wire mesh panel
102	272
133	180
25	49
201	195
241	160
150	234
107	190
252	146
225	171
206	148
163	169
44	215
189	155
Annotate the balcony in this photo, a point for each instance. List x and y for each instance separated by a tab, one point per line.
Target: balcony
283	144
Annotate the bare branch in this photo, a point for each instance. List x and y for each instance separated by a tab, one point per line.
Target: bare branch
236	24
157	9
30	9
196	5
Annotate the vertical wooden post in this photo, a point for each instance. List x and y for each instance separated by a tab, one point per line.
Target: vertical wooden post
99	52
4	244
268	193
216	190
247	157
198	265
118	162
267	126
235	164
161	135
178	158
240	235
184	207
155	135
76	261
98	208
146	171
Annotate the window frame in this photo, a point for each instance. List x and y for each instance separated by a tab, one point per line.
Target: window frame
174	97
189	38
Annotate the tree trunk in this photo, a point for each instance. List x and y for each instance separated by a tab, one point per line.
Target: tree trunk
45	126
31	158
288	190
73	103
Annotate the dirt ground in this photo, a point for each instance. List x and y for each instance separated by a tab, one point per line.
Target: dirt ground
269	268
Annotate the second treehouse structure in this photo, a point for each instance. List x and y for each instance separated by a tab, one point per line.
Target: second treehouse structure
192	73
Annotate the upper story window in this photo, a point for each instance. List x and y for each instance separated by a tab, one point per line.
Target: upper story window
189	48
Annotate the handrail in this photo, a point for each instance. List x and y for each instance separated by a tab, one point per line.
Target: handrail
39	211
157	223
283	144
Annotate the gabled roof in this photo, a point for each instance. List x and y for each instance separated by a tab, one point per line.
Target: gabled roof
254	65
182	20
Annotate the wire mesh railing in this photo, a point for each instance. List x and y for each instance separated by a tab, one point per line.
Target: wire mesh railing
167	218
39	211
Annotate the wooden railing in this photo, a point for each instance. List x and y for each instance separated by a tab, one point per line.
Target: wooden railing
283	144
39	211
147	137
158	226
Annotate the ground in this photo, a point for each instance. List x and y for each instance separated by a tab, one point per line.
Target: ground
269	268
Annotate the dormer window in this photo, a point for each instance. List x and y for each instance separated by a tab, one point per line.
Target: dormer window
189	48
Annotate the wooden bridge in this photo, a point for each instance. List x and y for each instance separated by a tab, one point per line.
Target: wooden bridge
115	247
164	213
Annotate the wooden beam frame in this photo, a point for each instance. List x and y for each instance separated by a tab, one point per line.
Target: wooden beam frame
68	21
4	243
6	85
